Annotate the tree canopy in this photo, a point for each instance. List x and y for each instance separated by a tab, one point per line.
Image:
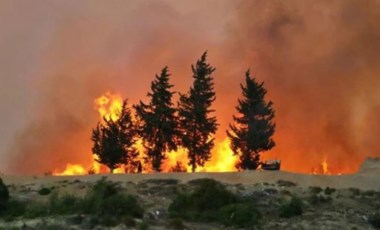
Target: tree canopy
253	128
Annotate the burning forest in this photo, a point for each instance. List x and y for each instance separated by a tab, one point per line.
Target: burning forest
61	77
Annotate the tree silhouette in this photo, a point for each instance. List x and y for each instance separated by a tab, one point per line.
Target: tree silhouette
158	121
114	140
253	129
197	127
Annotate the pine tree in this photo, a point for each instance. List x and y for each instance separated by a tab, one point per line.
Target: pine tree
196	126
114	140
254	127
158	121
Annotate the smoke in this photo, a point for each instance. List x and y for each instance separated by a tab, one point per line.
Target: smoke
319	61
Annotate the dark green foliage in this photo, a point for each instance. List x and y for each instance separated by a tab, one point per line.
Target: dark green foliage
103	201
176	224
129	221
114	140
369	193
292	208
4	195
211	201
65	204
158	121
329	191
241	215
35	210
203	203
14	208
355	191
44	191
197	127
315	189
143	226
253	129
374	220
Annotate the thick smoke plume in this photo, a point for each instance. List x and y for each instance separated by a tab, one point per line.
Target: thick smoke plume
318	59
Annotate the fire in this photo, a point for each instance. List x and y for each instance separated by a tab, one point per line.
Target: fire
325	168
71	169
109	106
222	158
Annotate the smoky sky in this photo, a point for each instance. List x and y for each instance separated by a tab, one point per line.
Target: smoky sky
319	61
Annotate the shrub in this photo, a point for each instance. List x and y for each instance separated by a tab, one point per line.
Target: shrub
35	210
143	226
241	215
129	221
315	189
4	195
329	191
374	220
176	224
318	199
14	208
370	193
104	199
44	191
202	204
293	208
355	191
66	204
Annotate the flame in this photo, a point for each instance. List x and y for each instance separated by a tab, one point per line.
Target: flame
324	168
109	106
71	169
222	158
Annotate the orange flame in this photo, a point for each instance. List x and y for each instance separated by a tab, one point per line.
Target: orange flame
222	159
109	106
71	169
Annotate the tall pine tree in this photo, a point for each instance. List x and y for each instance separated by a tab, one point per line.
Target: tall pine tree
114	140
254	127
197	127
158	121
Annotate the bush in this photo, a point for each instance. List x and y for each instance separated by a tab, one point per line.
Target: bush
14	208
318	199
241	215
66	204
211	201
374	220
176	224
315	189
36	210
44	191
104	200
4	195
370	193
355	191
143	226
292	208
202	204
329	191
